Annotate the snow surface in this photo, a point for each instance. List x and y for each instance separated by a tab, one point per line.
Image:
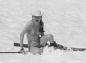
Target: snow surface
65	19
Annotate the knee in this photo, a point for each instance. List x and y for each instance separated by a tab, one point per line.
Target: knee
50	35
46	38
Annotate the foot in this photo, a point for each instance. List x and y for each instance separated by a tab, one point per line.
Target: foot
53	44
58	46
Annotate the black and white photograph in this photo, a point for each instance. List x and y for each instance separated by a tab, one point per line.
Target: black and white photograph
42	31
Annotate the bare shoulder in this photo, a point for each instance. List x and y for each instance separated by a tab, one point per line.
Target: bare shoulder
27	26
28	23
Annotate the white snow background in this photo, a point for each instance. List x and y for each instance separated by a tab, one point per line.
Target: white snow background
65	19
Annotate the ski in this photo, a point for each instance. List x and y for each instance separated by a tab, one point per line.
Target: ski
56	46
78	49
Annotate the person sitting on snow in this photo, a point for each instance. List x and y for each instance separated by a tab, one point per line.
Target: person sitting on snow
35	35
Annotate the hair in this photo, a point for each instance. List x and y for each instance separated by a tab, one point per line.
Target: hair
41	27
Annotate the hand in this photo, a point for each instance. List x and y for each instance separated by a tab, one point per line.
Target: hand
22	51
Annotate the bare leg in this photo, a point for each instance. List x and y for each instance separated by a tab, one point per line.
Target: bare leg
44	39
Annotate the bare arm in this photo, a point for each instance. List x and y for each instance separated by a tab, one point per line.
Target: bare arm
26	28
22	38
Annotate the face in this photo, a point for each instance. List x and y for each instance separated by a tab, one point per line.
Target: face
37	18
